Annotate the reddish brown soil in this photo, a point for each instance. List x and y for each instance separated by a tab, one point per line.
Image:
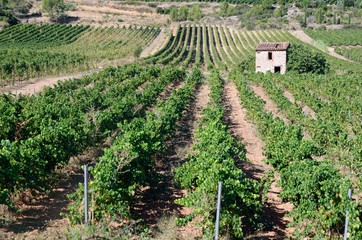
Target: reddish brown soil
270	106
157	202
156	44
274	210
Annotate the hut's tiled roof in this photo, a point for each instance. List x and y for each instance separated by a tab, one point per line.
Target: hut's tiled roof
272	46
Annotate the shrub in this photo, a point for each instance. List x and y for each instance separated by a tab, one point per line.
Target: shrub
137	52
303	60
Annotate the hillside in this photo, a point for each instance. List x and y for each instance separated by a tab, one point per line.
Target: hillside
162	108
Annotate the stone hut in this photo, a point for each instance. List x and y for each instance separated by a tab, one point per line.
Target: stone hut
271	56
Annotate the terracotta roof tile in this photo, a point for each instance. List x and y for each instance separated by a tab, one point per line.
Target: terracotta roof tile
272	46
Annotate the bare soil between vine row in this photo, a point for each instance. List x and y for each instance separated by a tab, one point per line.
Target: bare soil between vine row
157	205
274	209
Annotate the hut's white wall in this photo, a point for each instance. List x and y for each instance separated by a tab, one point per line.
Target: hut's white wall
264	64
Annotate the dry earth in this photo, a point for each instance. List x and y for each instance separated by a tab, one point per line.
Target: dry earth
36	85
269	106
275	210
157	207
157	44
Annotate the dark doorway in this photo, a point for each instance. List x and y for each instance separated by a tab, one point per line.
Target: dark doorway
277	69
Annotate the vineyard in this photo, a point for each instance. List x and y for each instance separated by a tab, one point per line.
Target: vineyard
308	133
341	37
352	53
40	50
211	46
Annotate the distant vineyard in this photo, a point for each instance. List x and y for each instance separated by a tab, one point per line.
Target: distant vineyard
218	46
354	54
337	37
37	50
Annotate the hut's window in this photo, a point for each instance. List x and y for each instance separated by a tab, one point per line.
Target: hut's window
270	55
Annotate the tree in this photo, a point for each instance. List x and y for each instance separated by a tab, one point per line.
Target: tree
174	14
303	60
319	15
224	8
196	13
183	13
3	3
55	9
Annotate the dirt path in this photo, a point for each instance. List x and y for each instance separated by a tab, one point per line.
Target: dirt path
274	210
305	38
36	85
157	203
269	106
156	45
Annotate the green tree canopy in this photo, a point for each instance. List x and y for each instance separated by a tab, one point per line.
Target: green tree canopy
55	9
303	60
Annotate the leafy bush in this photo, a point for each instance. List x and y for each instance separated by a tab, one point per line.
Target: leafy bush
247	64
184	13
303	60
69	7
55	9
8	17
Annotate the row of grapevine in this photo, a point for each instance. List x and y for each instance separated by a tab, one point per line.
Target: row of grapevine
354	54
213	159
45	130
38	50
337	128
337	37
47	35
317	190
129	163
217	46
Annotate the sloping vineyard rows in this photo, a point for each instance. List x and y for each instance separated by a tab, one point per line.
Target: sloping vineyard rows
129	163
47	35
45	130
338	125
209	46
213	159
38	50
338	37
317	190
